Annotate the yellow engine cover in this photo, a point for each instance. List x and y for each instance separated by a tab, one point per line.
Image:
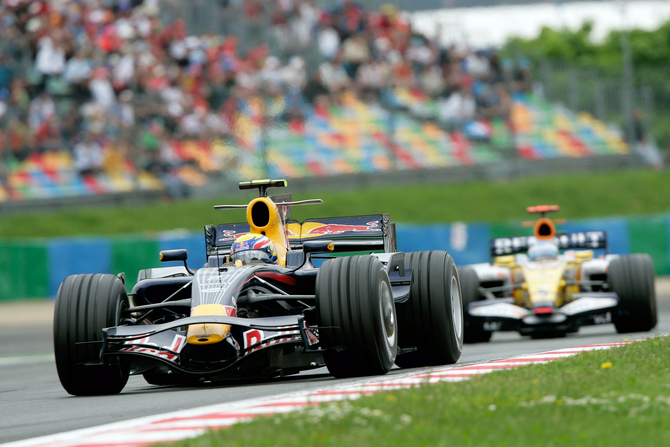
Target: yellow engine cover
545	281
272	228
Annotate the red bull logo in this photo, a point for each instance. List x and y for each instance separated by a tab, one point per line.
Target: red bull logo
290	233
311	229
328	229
230	235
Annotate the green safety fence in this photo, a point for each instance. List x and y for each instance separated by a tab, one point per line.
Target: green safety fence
650	235
35	268
23	270
132	254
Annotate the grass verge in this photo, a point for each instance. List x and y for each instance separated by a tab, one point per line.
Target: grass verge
618	397
630	192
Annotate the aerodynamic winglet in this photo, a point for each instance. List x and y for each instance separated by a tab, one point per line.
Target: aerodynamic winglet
230	207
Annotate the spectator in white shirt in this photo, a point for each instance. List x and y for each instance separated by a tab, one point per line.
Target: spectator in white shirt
194	123
477	65
295	76
460	107
271	77
50	58
88	156
125	112
124	70
78	69
41	110
333	75
355	51
101	89
328	42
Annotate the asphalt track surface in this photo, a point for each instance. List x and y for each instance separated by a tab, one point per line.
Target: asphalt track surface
33	403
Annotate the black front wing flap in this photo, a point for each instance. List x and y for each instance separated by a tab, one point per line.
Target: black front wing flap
162	343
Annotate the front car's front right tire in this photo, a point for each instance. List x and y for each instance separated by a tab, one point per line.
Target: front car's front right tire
86	304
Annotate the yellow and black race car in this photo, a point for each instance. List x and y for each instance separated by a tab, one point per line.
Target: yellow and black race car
261	307
551	283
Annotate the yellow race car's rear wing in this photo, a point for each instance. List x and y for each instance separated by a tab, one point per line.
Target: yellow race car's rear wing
587	240
544	229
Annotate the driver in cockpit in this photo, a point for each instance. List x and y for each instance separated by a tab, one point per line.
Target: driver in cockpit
253	247
543	251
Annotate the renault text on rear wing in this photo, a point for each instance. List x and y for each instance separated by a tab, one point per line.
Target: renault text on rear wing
593	240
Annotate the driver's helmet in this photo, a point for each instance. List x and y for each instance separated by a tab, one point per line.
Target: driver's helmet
543	251
253	247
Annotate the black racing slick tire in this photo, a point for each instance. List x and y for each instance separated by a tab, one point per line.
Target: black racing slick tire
632	278
473	330
86	304
432	318
356	316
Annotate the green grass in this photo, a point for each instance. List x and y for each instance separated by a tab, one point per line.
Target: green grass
630	192
619	397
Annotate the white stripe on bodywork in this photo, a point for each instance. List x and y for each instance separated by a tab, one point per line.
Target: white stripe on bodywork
211	285
588	304
502	310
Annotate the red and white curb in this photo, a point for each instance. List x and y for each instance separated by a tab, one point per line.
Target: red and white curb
183	424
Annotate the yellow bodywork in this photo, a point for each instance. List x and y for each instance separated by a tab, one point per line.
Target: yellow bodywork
207	334
293	230
546	280
505	261
274	229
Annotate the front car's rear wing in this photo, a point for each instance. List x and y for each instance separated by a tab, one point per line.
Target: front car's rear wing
350	234
587	240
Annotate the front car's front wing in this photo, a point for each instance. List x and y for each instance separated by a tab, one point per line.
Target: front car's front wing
502	314
254	346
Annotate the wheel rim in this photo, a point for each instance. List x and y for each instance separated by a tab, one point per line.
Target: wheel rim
387	314
456	310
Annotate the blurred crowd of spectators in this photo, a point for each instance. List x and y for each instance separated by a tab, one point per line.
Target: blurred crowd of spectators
114	84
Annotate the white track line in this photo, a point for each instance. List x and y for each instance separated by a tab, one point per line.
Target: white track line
191	423
26	359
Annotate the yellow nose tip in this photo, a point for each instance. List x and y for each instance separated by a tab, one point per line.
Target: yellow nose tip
208	333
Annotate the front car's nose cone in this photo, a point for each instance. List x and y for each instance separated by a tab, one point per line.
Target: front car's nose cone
206	334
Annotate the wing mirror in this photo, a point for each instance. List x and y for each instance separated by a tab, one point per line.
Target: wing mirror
180	254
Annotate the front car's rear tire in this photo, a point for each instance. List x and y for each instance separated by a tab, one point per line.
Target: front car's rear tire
356	316
432	319
86	304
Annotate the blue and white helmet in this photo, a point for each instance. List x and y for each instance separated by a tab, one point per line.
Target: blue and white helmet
543	251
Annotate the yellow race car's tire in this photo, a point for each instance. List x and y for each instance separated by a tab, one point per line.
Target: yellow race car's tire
474	330
632	278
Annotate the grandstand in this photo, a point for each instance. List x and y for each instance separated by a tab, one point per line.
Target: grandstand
117	97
